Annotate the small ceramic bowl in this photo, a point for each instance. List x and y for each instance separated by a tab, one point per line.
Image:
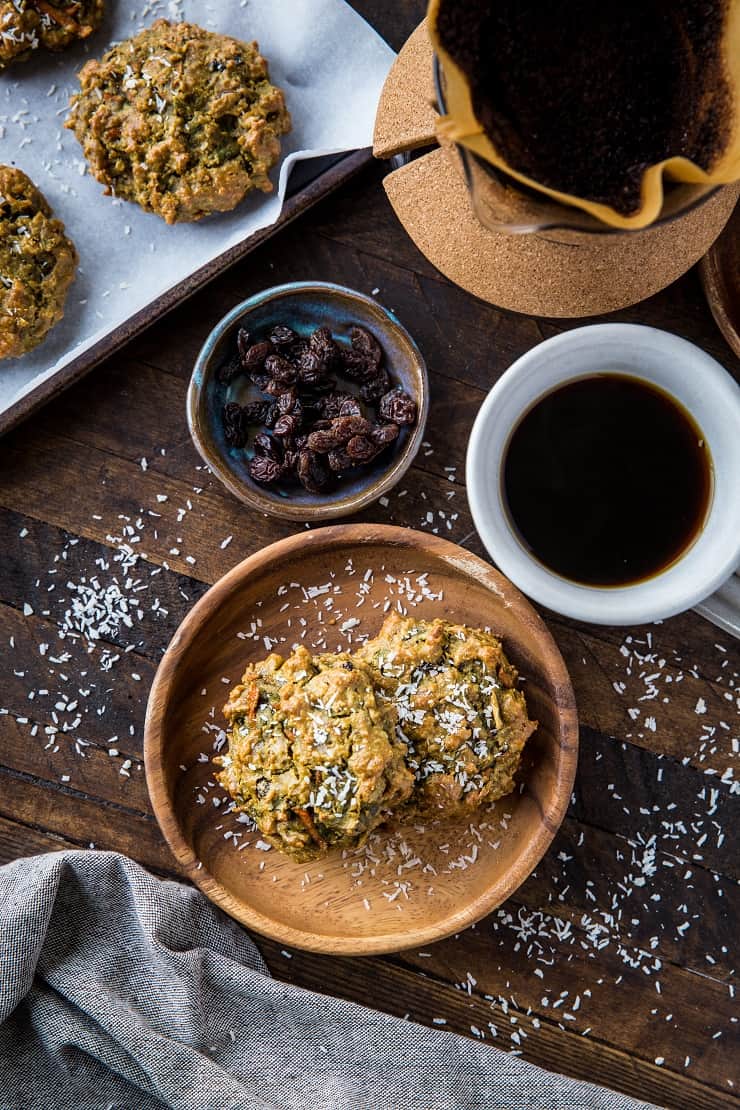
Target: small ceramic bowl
304	306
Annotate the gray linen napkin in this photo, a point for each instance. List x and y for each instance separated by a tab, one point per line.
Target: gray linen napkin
119	991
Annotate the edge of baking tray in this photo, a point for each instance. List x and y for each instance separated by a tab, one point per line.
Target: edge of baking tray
327	181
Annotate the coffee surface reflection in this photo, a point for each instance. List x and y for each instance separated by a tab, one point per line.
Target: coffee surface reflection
607	480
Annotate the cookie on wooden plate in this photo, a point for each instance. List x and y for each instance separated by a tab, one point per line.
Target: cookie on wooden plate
460	714
183	121
26	25
37	265
313	756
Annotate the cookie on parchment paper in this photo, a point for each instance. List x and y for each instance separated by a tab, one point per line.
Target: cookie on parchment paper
183	121
26	25
37	265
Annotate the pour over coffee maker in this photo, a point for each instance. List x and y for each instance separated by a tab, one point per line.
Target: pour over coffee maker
516	243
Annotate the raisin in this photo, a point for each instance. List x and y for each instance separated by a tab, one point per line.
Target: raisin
311	369
229	370
313	473
350	406
344	427
339	404
373	389
288	401
243	342
253	358
328	405
255	411
272	416
282	336
340	461
322	385
297	351
321	338
267	446
397	407
383	434
322	342
263	469
260	379
236	427
323	440
356	366
280	370
361	449
287	425
290	463
366	344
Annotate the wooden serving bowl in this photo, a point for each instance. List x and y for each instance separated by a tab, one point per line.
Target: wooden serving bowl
415	885
720	276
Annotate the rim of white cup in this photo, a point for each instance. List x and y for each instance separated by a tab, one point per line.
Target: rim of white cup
687	373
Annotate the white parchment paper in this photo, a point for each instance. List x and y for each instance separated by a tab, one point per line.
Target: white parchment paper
331	66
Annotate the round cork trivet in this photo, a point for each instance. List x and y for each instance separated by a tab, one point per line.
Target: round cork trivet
407	118
541	274
536	275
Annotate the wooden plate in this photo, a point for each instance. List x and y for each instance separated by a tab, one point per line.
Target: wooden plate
411	886
720	277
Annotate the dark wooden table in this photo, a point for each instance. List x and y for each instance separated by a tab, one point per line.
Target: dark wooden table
614	961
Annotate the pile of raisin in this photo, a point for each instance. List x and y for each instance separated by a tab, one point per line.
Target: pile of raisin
313	432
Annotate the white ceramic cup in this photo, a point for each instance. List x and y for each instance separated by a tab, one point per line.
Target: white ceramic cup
680	369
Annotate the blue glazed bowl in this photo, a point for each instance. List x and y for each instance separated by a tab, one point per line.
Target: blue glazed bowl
304	306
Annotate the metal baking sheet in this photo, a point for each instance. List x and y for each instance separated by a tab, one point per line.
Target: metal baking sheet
133	267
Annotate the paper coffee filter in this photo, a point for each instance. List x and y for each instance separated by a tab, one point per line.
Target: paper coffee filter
460	125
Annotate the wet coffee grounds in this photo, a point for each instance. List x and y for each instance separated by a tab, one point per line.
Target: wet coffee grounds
582	97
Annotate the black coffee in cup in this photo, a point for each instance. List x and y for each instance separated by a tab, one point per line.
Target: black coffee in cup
582	97
607	480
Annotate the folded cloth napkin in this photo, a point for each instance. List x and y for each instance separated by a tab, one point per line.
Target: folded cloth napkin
119	991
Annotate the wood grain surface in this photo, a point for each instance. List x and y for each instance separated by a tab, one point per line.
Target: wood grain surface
615	961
